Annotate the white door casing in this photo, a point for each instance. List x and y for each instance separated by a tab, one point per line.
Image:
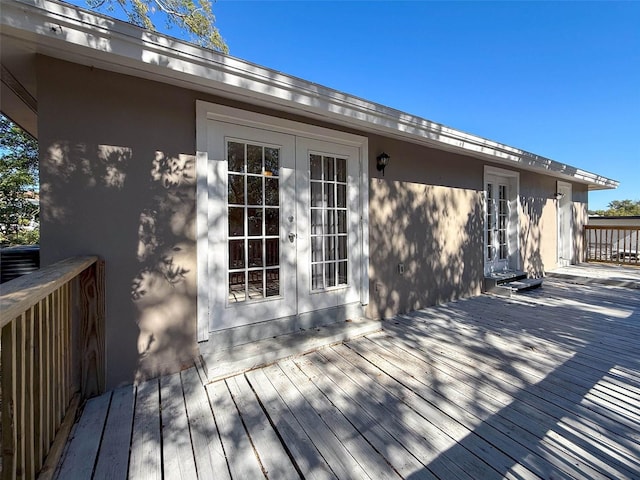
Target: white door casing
565	223
501	220
236	287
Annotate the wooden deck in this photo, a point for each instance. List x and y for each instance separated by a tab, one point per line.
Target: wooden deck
545	385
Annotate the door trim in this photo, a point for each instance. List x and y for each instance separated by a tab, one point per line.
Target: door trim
514	217
205	112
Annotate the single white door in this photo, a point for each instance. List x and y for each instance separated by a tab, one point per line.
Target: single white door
283	225
498	221
565	224
328	224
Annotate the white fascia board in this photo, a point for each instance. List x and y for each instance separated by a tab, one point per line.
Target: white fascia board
71	33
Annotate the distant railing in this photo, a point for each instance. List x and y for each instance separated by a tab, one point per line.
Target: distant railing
52	357
612	244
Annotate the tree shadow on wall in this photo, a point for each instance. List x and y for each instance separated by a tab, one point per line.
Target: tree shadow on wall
164	290
532	235
436	232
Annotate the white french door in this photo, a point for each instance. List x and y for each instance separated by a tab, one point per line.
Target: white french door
283	228
501	220
328	224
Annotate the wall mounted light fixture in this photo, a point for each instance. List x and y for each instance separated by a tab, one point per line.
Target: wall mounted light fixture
382	161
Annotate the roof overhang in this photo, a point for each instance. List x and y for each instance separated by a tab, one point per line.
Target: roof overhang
70	33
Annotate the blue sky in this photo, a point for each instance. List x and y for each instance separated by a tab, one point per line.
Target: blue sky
560	79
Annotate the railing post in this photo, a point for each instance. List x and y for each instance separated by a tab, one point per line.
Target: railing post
92	307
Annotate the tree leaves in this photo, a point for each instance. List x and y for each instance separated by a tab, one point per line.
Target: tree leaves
195	18
621	208
18	184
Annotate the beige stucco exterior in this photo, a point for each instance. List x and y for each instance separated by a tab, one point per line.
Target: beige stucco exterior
118	180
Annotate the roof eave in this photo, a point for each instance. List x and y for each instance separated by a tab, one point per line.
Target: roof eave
70	33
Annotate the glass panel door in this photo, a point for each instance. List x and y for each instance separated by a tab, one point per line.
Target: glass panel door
497	225
328	224
252	262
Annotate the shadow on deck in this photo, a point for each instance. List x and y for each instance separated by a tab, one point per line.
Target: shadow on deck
543	385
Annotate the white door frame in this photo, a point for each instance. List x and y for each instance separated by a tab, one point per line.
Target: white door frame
513	228
564	212
205	112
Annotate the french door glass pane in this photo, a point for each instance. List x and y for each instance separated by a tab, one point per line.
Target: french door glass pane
316	222
272	221
341	170
236	254
256	285
235	156
253	221
236	189
271	162
254	159
254	190
271	191
236	222
315	165
273	282
272	252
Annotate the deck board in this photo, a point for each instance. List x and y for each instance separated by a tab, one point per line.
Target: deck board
538	386
362	417
242	460
367	457
269	449
113	460
485	395
207	448
328	444
145	461
302	448
469	395
177	452
477	457
84	443
421	438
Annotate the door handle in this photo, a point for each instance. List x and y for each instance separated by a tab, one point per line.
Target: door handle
292	237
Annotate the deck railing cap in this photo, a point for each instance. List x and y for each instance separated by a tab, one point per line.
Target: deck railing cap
20	294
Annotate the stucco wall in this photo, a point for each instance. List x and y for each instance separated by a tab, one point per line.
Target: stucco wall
425	212
118	180
538	223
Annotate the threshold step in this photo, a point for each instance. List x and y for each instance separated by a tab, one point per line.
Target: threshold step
227	362
494	279
510	288
524	284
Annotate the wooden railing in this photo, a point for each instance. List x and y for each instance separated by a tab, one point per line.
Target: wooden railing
612	244
52	358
